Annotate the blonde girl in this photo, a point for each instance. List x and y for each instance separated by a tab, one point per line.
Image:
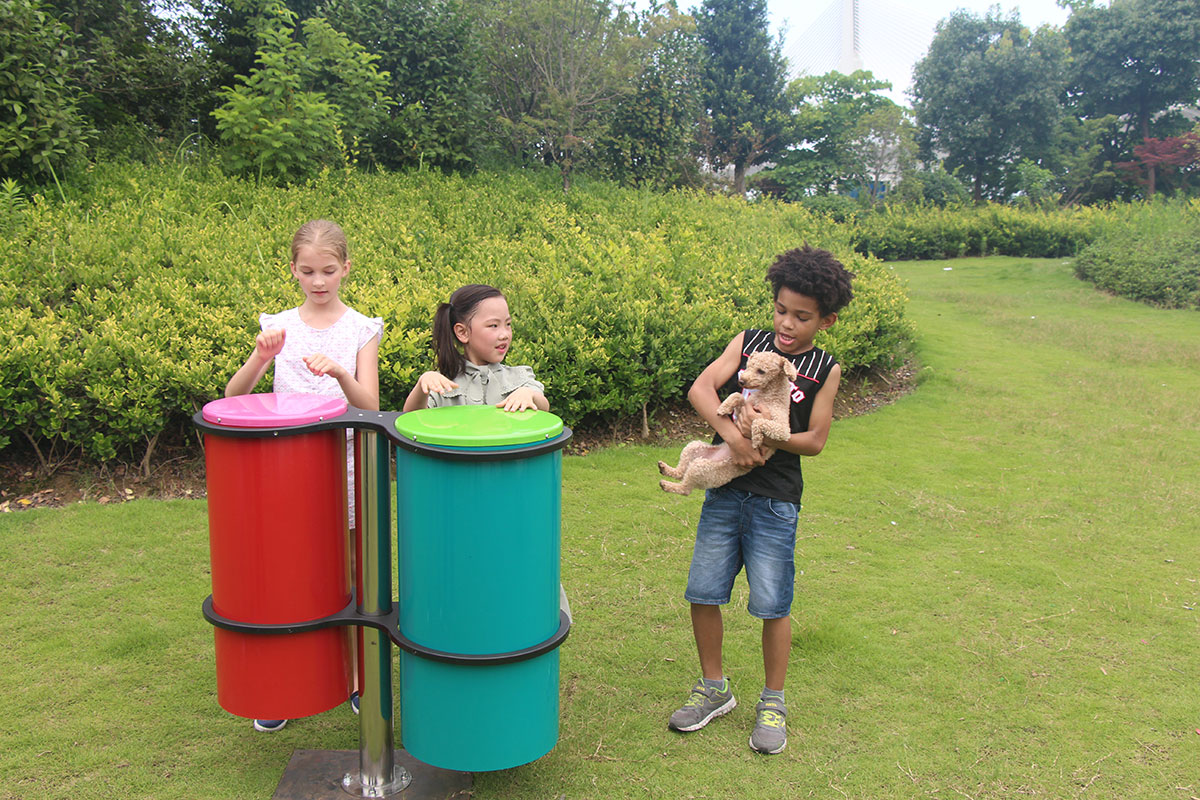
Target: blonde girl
320	347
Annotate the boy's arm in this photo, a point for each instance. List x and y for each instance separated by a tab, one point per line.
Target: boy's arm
704	398
812	441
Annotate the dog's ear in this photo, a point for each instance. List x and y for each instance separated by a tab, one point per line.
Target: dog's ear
789	369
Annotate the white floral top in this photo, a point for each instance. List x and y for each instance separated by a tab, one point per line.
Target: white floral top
341	341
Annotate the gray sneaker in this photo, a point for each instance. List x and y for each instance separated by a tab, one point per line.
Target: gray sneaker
701	707
770	731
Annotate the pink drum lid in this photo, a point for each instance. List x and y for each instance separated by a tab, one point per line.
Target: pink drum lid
272	410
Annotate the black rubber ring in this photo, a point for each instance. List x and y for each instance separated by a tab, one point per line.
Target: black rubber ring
388	623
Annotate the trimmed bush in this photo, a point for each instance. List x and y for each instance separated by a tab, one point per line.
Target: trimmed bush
902	233
1150	253
132	304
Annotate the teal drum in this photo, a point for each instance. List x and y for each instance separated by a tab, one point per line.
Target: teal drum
479	499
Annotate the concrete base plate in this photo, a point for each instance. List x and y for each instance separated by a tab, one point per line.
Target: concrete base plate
317	775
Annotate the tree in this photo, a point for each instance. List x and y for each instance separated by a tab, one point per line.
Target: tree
744	73
305	105
1029	184
41	127
882	149
1175	157
555	70
228	31
1134	59
141	73
934	186
1083	159
652	135
827	110
428	48
986	95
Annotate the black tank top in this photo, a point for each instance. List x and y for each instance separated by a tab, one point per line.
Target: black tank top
781	477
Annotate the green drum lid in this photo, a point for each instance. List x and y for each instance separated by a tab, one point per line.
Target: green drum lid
478	426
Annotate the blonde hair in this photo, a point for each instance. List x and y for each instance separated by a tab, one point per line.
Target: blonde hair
325	236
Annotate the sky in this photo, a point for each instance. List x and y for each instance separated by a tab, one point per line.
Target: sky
894	34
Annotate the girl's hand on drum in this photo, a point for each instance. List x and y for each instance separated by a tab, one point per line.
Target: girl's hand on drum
519	400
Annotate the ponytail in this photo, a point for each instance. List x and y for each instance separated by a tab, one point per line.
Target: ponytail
450	360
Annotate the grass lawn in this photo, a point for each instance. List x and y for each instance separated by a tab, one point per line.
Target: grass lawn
999	596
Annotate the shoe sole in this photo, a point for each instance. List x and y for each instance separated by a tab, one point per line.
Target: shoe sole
716	712
767	752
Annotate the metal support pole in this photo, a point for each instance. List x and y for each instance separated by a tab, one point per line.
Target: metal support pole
379	774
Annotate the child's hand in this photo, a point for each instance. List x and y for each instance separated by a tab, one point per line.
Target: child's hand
744	453
432	381
746	416
519	400
319	364
268	343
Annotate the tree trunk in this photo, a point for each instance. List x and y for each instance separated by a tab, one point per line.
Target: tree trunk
1150	168
739	179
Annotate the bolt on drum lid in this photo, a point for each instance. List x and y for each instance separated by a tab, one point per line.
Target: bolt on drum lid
478	427
272	410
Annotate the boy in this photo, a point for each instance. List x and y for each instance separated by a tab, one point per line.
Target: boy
752	519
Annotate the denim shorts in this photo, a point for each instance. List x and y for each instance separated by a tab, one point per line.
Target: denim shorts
739	528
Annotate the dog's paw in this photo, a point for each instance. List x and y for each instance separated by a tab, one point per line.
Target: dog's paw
671	472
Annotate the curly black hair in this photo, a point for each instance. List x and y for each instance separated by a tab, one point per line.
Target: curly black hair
815	273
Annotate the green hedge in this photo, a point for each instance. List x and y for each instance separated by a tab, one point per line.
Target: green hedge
1148	252
903	233
131	304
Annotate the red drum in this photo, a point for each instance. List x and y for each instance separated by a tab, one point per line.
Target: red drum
279	545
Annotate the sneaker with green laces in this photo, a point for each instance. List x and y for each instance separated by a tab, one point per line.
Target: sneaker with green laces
770	729
702	706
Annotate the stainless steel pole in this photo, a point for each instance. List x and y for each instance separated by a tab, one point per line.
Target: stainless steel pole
379	774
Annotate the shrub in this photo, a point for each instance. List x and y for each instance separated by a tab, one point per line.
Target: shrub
901	233
837	207
1151	254
140	297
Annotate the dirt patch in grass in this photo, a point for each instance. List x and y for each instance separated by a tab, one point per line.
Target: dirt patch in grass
178	469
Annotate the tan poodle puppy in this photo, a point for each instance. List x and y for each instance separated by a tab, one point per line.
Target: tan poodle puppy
766	413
